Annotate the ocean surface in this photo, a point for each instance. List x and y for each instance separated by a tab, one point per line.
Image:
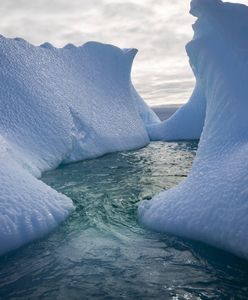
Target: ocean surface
101	251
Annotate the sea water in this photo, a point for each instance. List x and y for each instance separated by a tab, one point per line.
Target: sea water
101	251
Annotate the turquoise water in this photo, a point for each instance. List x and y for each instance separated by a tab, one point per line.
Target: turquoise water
101	252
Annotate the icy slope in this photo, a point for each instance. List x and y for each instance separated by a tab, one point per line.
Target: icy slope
186	123
211	205
59	106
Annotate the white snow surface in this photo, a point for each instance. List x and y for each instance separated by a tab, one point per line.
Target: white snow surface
211	204
59	106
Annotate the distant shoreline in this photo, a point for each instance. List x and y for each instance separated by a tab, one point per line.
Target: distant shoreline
165	111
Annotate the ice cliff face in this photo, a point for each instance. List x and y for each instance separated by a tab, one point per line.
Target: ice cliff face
59	106
211	205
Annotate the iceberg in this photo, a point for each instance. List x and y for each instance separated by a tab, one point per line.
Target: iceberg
211	204
59	106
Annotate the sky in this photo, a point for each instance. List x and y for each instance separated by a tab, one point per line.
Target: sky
159	29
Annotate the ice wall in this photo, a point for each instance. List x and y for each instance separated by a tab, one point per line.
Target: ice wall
59	106
211	205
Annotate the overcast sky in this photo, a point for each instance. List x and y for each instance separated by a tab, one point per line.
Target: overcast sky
158	28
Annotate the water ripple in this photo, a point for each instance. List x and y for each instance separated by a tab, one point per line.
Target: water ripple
101	252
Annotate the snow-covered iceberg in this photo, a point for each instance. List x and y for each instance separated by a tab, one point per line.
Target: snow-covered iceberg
211	205
59	106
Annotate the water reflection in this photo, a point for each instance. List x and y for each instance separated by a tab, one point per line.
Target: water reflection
101	252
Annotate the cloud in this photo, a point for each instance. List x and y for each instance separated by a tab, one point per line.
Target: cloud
158	28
